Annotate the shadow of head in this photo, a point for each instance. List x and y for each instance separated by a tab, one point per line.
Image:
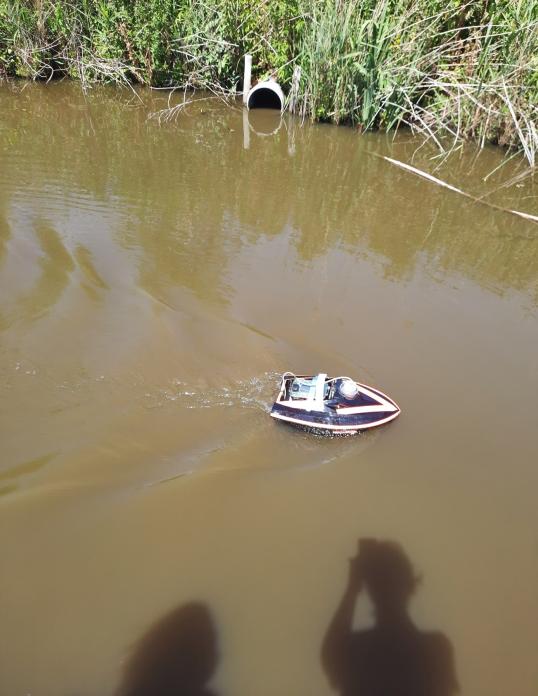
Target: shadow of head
388	575
176	657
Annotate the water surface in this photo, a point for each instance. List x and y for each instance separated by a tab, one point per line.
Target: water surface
155	279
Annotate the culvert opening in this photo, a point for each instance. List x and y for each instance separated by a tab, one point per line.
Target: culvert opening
264	98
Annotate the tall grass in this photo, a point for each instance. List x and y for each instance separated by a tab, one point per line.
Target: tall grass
446	69
452	69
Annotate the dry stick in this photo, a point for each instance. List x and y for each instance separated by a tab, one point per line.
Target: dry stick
419	172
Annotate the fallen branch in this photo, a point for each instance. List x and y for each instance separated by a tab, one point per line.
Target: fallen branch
439	182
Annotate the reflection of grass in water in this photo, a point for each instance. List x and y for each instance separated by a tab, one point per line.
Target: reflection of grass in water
92	279
400	222
56	267
5	234
10	478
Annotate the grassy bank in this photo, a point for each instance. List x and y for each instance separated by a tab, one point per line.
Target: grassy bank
448	68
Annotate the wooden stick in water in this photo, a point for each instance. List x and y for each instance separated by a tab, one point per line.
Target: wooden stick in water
435	180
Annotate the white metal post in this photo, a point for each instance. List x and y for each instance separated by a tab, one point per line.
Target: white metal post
247	77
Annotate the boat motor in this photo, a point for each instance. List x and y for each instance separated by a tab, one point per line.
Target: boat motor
348	389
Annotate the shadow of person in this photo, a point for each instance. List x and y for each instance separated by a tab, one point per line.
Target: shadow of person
393	658
176	657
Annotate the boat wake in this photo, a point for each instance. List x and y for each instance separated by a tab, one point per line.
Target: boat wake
251	393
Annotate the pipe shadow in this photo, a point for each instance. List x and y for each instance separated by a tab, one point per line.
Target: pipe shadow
394	657
176	657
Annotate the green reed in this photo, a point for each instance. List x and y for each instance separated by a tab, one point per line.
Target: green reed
452	69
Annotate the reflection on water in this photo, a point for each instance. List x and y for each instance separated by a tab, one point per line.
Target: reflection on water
56	265
326	194
5	234
393	657
155	281
9	479
93	280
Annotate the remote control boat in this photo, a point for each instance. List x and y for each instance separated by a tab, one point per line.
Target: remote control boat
336	405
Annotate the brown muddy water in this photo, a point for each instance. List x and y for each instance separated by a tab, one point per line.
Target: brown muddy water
159	532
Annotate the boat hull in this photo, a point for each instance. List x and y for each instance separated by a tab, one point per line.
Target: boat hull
369	409
331	421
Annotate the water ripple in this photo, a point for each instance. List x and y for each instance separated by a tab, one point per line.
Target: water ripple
256	392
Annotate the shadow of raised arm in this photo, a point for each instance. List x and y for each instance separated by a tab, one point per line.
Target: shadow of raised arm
394	657
336	648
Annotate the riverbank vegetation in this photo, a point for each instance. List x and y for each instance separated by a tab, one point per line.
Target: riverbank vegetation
449	68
